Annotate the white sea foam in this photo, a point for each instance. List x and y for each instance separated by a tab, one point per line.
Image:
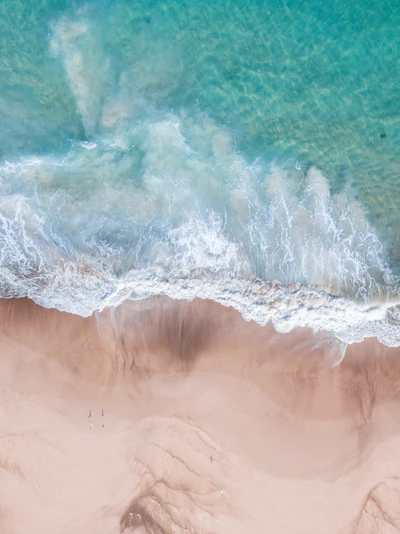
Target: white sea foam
196	261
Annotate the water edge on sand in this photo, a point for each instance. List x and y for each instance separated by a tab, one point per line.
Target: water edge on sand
212	424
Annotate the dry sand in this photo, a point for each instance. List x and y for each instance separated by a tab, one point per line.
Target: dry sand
212	425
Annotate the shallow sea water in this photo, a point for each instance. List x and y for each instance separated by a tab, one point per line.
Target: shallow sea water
204	149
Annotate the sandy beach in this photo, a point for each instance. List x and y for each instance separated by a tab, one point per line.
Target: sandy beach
199	423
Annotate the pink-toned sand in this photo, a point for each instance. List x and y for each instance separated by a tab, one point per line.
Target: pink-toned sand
212	425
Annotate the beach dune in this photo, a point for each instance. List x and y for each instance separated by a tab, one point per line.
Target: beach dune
174	417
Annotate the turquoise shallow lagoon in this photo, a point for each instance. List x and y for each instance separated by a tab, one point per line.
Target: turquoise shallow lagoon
204	149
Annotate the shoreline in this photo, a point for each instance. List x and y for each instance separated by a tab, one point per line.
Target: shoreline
288	307
195	400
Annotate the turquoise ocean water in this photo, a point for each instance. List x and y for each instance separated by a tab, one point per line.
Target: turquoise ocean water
246	152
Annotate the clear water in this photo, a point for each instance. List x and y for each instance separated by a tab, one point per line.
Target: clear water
204	149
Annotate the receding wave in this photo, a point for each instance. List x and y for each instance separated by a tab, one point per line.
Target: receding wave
160	202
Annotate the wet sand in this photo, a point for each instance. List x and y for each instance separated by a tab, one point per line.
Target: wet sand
212	425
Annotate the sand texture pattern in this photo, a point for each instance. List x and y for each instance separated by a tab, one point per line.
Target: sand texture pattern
172	417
